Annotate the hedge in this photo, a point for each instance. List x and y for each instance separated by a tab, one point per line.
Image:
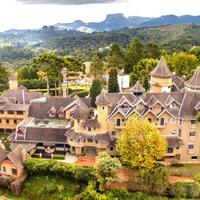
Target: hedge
51	167
59	156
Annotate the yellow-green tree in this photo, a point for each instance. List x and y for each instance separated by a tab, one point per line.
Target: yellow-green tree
140	144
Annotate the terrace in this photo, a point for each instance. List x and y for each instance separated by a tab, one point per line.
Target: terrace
50	123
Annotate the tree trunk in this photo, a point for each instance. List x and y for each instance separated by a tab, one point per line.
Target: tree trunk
48	88
56	89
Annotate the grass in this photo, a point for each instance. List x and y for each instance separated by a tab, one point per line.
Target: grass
45	188
185	170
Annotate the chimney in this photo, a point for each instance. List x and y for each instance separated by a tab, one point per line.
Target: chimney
24	155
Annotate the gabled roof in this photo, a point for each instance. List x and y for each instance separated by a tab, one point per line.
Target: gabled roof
53	109
163	111
153	101
137	88
162	70
81	110
170	100
15	156
194	82
178	83
3	154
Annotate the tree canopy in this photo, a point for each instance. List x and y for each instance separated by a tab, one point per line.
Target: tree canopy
140	143
95	90
113	86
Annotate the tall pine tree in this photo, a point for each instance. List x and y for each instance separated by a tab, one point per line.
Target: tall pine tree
113	86
95	90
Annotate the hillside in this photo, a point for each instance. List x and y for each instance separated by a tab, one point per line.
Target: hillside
24	45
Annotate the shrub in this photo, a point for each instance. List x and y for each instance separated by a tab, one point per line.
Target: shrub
59	156
35	155
118	194
176	164
82	93
152	181
184	190
52	167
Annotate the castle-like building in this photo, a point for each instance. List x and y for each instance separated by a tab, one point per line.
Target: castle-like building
70	124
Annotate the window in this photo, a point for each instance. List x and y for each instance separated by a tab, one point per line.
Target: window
4	169
180	122
162	121
1	111
111	148
90	140
149	119
103	107
179	132
14	171
194	157
89	128
192	133
190	146
94	128
0	121
15	121
10	112
170	150
7	121
193	121
123	120
20	112
113	133
118	122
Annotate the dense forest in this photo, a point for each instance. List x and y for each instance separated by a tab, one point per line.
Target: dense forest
27	44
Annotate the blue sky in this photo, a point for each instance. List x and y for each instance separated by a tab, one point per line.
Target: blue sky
36	13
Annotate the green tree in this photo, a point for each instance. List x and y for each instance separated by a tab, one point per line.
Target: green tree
142	70
106	169
198	116
3	77
152	50
27	72
95	90
97	68
195	51
134	54
153	181
113	86
140	143
47	62
116	57
184	64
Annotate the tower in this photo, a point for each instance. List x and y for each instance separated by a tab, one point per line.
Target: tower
161	78
13	83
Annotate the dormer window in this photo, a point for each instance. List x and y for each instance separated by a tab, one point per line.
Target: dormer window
52	112
89	129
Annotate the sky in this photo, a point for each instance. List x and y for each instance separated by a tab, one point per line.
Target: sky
28	14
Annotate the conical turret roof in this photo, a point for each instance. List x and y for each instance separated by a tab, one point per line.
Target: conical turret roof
162	70
137	88
194	82
102	99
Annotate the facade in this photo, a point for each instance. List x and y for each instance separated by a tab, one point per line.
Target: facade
70	124
14	105
12	163
123	80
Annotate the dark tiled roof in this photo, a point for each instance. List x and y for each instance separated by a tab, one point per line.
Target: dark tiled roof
102	99
194	82
137	88
162	70
15	156
173	141
81	111
39	108
53	135
3	154
91	123
178	84
21	95
14	107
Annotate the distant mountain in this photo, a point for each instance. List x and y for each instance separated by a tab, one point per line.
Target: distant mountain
171	19
111	23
